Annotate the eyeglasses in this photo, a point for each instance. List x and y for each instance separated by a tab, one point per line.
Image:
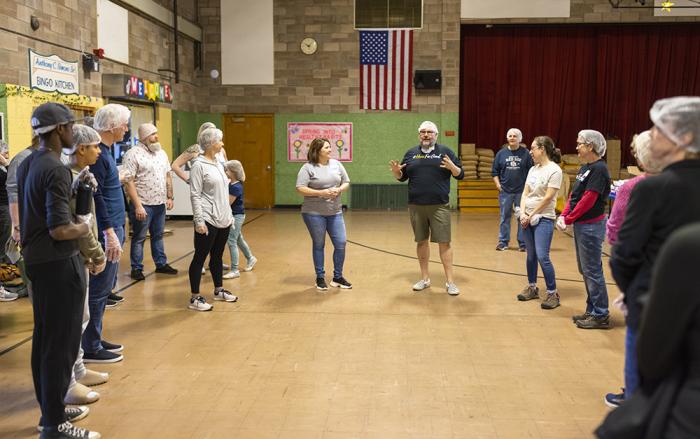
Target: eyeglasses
426	132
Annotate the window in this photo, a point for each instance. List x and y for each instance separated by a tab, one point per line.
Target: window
385	14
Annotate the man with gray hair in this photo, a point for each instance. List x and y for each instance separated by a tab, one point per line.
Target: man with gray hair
428	168
509	171
111	122
150	191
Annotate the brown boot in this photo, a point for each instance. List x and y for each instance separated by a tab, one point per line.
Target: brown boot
529	293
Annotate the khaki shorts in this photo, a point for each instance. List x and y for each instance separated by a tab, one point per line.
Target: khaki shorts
431	221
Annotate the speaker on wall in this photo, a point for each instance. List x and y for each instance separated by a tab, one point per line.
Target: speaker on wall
427	79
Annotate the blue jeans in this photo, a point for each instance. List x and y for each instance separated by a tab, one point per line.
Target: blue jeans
538	239
505	203
631	370
318	225
236	241
99	288
588	239
154	223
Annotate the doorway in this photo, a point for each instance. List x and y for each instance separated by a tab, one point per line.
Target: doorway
250	139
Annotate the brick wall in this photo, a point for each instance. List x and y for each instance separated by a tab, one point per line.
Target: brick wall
328	81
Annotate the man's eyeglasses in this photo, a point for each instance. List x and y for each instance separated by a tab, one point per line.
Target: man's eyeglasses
426	132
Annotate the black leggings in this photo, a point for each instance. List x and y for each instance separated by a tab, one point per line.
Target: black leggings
213	244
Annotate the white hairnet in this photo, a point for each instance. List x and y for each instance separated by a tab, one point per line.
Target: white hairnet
111	116
4	147
642	149
677	117
204	126
82	135
517	132
209	137
595	139
428	125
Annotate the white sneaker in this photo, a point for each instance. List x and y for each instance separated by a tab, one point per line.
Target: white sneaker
232	274
225	296
68	430
225	266
421	285
452	289
199	303
251	263
7	296
204	270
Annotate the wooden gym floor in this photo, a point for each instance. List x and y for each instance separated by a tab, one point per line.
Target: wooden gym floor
377	361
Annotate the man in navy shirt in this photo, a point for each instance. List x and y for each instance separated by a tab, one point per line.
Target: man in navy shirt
428	168
509	171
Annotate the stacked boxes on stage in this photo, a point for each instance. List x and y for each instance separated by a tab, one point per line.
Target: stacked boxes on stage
485	163
467	154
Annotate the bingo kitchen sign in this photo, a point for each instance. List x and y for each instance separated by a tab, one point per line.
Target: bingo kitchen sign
50	73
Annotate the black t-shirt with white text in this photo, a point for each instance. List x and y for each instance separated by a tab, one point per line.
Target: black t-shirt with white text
591	177
428	183
44	192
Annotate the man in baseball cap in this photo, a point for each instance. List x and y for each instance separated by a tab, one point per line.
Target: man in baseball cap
48	116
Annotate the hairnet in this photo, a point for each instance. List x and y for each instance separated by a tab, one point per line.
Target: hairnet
595	139
236	168
209	137
82	135
677	117
111	116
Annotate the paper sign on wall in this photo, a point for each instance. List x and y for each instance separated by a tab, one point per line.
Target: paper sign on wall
52	73
300	135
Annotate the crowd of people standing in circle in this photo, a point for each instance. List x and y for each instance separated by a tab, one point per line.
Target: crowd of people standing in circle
71	244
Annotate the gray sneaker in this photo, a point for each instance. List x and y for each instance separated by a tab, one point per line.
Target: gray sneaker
594	322
551	302
452	289
421	285
7	296
529	293
583	316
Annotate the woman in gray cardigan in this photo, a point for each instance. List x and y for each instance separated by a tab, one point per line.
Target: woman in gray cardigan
212	218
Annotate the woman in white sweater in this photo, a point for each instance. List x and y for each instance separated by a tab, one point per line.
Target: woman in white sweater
212	218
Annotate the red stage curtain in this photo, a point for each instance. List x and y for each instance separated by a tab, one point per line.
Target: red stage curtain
558	79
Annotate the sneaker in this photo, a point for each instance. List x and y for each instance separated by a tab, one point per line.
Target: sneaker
112	347
70	431
80	394
199	303
251	263
233	274
321	284
225	295
551	302
341	282
421	285
73	414
529	293
204	270
225	266
594	322
103	356
93	378
452	289
614	400
166	269
137	274
522	249
7	296
501	247
111	303
115	297
583	316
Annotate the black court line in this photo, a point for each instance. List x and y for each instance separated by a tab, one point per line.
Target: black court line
469	267
124	288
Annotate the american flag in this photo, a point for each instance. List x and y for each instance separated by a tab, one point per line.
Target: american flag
386	62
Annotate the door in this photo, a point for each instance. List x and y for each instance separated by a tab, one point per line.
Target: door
250	139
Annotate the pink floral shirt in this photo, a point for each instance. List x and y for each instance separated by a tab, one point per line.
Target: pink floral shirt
149	171
617	215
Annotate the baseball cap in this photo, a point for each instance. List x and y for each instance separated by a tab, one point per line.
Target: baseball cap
46	117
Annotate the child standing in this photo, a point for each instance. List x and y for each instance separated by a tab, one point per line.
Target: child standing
234	171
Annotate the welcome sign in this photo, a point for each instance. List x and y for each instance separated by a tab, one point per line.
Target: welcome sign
51	73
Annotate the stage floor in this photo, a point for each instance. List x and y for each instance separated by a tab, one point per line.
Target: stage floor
377	361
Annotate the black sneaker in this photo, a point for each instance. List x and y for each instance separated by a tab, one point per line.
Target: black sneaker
321	284
137	274
501	247
73	414
111	303
115	298
523	249
613	400
112	347
69	431
341	282
166	269
103	356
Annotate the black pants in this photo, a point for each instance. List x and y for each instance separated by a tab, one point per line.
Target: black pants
59	294
212	244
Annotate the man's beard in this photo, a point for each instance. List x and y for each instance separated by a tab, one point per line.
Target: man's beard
427	144
153	147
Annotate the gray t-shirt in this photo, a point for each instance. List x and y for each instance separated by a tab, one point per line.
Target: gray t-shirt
11	183
321	177
539	178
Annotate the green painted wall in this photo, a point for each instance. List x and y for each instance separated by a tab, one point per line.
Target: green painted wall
185	127
377	138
